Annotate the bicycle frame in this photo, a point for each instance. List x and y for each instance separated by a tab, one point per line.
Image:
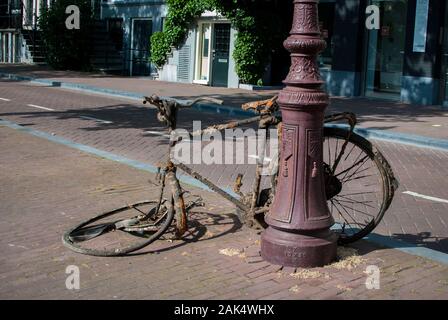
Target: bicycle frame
250	206
167	113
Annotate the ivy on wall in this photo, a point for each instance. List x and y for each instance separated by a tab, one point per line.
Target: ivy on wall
259	25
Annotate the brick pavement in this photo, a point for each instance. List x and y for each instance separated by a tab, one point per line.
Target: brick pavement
417	221
430	121
50	187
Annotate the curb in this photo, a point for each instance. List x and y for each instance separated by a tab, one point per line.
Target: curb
402	138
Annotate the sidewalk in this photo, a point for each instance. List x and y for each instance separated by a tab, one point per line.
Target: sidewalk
51	187
383	119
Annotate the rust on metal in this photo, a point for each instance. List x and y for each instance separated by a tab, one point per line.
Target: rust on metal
238	184
299	219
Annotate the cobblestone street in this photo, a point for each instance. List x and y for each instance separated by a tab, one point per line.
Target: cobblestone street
47	187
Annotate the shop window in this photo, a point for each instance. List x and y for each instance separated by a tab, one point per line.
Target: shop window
385	50
326	22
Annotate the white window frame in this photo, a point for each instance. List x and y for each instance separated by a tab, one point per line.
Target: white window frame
198	47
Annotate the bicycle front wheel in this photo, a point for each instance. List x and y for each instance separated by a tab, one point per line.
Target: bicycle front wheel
359	183
104	240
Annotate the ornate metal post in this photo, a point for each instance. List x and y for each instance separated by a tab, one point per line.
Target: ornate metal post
299	220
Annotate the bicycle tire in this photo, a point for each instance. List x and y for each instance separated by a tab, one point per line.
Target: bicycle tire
116	252
388	182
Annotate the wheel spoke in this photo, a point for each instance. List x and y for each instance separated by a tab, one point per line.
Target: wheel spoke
346	171
351	208
347	199
342	201
358	178
356	193
357	170
338	155
137	209
345	210
353	147
340	214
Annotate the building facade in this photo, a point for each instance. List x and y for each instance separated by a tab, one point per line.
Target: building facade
405	59
18	22
206	55
204	58
131	24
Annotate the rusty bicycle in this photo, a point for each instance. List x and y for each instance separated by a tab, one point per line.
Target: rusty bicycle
359	185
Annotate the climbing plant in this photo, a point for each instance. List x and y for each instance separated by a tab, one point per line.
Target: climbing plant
181	14
259	26
66	48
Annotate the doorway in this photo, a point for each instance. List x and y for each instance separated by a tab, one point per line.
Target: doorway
140	64
385	50
220	54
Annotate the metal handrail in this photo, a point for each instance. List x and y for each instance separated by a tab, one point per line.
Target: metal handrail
29	19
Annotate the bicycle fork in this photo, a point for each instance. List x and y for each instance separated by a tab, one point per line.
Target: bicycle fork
178	203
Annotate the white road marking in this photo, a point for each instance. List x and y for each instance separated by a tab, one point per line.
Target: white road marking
39	107
418	195
157	133
4	99
97	120
256	157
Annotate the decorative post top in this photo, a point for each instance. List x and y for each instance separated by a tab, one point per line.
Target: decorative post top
303	83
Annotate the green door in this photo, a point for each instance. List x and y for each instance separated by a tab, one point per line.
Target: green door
140	51
221	48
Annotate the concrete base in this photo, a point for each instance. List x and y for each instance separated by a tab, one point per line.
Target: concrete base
298	249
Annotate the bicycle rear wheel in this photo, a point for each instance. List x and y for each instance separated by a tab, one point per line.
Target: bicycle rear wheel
359	183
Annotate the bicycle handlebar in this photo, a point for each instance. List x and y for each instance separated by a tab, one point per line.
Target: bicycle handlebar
263	106
156	100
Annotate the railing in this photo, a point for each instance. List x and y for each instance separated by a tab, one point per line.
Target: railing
30	23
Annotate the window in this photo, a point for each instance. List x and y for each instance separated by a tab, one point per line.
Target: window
115	28
326	22
385	51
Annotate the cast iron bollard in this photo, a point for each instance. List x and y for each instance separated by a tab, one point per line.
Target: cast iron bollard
299	220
